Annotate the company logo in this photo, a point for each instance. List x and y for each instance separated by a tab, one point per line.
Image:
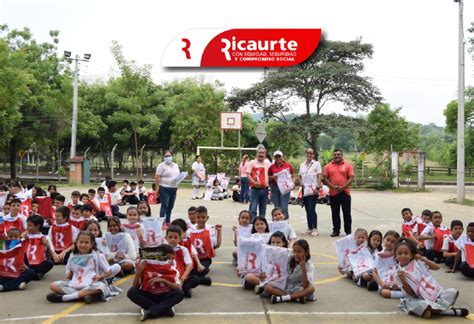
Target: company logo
241	48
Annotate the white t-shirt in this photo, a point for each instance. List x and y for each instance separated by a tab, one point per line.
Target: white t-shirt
312	167
104	185
186	257
430	230
115	198
167	173
461	242
197	166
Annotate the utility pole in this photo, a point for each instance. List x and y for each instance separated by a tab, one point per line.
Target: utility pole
74	98
460	138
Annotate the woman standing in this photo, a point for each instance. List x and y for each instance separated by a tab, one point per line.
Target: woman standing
279	199
310	171
199	176
244	182
166	186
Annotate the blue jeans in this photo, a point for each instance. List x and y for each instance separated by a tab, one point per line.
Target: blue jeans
10	284
167	197
244	190
258	197
280	200
310	206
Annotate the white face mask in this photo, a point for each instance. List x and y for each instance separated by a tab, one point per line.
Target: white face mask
168	159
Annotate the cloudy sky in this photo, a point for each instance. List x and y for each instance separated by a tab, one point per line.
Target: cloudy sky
415	41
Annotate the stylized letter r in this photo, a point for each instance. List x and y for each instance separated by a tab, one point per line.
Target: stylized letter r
185	49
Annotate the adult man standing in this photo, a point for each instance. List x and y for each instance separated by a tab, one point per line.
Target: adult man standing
257	174
338	175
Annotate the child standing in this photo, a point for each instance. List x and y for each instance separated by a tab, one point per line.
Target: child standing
156	286
182	260
205	240
38	247
450	251
299	285
86	271
465	244
62	235
424	295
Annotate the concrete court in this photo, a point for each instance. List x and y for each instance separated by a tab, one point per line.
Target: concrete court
339	300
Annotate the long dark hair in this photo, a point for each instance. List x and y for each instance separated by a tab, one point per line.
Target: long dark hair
404	241
144	202
373	233
91	237
263	219
92	221
279	235
116	220
305	246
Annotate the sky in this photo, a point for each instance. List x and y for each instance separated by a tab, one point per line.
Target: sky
415	42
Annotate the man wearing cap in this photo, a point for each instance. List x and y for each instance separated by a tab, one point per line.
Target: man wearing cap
279	199
338	175
257	174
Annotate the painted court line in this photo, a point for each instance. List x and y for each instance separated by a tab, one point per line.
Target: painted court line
203	314
72	308
317	282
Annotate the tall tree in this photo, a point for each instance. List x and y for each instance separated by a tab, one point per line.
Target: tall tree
137	100
44	104
386	129
333	73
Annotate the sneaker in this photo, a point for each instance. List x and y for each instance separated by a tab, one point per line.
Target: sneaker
274	299
1	288
89	299
206	281
334	234
144	315
308	231
259	290
188	294
54	297
246	284
372	286
234	262
311	298
315	232
301	300
22	286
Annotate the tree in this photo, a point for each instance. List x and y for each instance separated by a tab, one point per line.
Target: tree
451	116
43	104
137	100
386	130
196	108
331	74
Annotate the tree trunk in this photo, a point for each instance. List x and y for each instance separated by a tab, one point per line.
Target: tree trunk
13	158
183	155
137	163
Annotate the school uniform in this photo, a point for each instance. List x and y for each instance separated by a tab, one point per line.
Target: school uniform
294	282
449	246
434	246
204	241
11	261
62	236
182	258
36	254
83	268
466	246
18	222
429	293
120	243
157	300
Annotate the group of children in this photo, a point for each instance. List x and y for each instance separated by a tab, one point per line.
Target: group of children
399	266
168	261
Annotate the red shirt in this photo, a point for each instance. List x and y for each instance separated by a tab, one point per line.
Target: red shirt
275	169
338	174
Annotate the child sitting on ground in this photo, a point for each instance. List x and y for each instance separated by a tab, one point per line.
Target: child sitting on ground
280	224
299	285
62	235
156	286
450	251
244	229
39	248
424	295
465	245
434	236
121	247
206	240
86	271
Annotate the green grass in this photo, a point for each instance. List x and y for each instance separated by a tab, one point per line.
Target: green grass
466	202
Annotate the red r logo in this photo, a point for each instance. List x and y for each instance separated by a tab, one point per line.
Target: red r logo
185	49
